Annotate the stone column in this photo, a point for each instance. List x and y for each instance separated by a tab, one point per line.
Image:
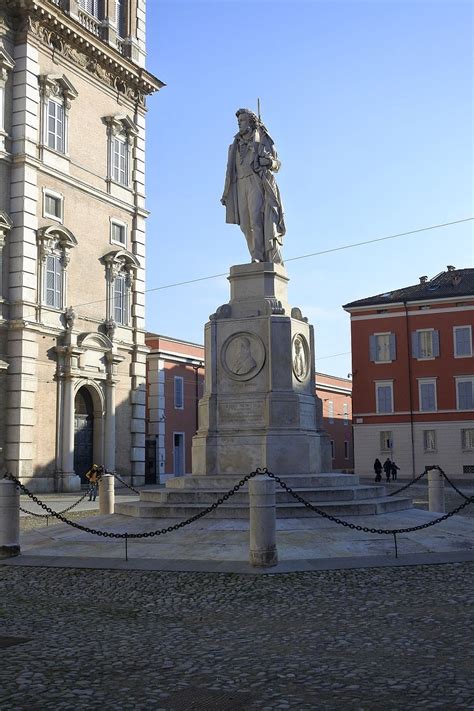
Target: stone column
69	480
109	448
436	491
263	550
9	519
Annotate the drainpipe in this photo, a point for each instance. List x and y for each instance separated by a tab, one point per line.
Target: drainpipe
410	391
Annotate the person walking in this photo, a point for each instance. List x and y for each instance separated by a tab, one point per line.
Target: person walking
93	477
378	470
393	471
387	467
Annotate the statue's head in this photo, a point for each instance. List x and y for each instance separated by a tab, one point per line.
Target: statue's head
246	119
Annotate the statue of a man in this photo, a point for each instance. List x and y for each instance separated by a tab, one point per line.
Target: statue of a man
251	196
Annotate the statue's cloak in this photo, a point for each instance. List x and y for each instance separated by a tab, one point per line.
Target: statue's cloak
274	220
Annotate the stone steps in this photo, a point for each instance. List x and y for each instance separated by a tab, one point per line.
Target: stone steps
206	496
225	482
182	511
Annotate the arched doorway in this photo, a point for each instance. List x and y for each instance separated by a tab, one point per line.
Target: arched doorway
83	433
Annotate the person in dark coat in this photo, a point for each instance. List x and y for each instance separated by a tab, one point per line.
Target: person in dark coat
393	471
387	467
378	470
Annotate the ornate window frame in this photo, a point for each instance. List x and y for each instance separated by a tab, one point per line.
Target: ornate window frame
5	226
6	66
119	264
120	130
54	240
58	89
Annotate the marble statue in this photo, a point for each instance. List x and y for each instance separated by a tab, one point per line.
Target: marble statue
251	196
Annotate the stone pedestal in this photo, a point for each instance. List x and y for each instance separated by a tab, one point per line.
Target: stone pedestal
259	408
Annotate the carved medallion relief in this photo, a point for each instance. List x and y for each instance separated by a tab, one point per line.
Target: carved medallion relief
300	357
243	356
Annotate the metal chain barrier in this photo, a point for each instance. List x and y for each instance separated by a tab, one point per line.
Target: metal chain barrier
126	536
46	515
228	495
451	483
410	483
123	482
365	529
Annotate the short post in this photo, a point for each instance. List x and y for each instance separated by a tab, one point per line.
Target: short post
263	550
436	491
9	519
107	494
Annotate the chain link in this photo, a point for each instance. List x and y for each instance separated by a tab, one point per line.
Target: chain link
123	482
46	515
410	483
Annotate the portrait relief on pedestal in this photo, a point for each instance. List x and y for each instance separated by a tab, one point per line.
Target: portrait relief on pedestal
300	357
243	356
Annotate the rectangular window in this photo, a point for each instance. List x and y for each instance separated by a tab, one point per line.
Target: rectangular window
429	440
53	205
467	438
464	393
120	160
382	347
120	300
331	412
178	392
118	232
462	341
386	441
345	414
346	449
427	395
333	450
384	397
53	282
93	7
425	344
55	126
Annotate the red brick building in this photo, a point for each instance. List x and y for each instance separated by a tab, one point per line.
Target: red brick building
336	396
175	383
413	375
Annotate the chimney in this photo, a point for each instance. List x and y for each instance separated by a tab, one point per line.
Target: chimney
450	268
423	279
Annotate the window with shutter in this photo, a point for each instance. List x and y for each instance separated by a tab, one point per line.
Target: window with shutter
384	397
120	300
427	395
464	391
178	392
462	341
386	441
467	438
425	344
53	281
429	440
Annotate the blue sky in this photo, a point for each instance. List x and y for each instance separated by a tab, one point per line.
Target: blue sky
370	105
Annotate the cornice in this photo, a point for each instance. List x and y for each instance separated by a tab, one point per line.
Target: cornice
67	37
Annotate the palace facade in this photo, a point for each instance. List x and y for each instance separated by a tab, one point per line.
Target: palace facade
73	89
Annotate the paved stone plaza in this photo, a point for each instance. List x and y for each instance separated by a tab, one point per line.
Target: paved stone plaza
388	638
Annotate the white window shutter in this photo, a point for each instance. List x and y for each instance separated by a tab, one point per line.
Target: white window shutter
393	347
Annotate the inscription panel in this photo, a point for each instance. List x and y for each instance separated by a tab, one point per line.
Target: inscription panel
240	413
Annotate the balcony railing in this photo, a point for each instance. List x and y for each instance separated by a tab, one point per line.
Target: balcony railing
90	23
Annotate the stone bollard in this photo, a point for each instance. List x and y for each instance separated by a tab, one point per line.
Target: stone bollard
263	551
107	494
436	491
9	519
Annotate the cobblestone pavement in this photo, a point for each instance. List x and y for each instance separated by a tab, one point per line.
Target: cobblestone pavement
357	639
